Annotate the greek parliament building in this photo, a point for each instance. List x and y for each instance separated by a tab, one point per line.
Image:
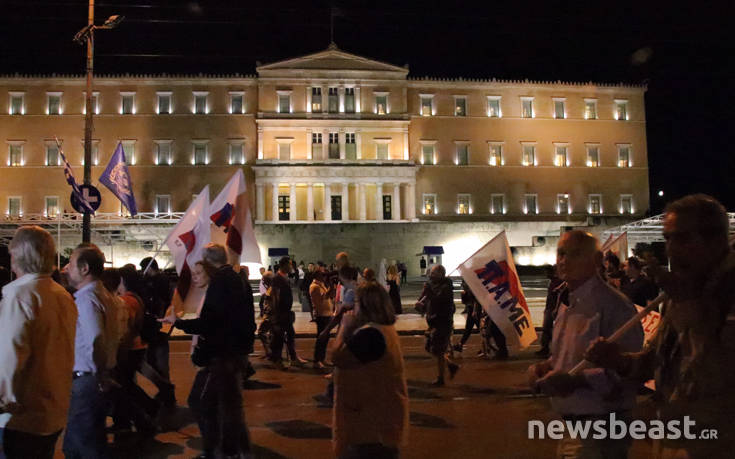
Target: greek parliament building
340	152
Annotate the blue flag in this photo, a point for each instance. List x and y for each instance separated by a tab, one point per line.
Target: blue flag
116	177
70	180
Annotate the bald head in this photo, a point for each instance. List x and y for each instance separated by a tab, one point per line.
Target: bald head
577	256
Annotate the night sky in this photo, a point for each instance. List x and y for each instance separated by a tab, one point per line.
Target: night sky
684	54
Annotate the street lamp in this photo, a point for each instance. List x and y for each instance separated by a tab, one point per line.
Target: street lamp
86	35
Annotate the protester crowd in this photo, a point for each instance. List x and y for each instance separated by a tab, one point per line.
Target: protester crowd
72	342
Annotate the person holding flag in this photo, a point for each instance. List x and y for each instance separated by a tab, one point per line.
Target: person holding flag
116	178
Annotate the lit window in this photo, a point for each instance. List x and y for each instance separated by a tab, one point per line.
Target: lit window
15	206
95	102
460	106
164	103
284	208
316	145
496	154
590	109
427	153
284	101
626	204
493	106
201	156
51	209
621	110
561	156
164	155
200	102
463	204
15	154
334	145
17	103
349	100
52	155
497	203
429	204
54	103
593	156
237	102
560	111
95	152
624	156
316	100
529	155
237	153
350	146
382	150
595	204
381	103
163	204
333	100
527	107
463	154
129	149
127	103
530	204
427	104
562	204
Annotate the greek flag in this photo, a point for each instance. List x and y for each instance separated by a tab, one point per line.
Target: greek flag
116	177
70	180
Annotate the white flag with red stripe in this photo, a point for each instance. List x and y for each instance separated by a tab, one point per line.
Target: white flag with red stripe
232	225
186	242
617	245
491	275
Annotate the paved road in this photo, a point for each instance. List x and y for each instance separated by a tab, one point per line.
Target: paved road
482	413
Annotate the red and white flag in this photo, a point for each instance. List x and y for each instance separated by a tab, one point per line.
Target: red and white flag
492	277
232	225
186	242
617	245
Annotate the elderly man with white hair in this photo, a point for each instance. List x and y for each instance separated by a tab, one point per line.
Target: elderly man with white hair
37	329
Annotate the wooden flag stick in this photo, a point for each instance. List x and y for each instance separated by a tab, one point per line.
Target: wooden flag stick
623	330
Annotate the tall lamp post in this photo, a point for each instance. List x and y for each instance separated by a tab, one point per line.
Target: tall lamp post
86	35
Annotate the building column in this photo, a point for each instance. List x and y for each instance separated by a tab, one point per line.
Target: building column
410	201
358	143
327	203
292	202
345	202
260	202
310	202
260	143
274	208
361	201
341	137
341	101
396	202
357	102
378	201
405	144
308	144
308	99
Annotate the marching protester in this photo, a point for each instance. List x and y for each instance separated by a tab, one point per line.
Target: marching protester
594	309
321	301
94	354
225	328
550	310
472	320
613	273
692	356
261	291
636	286
437	300
283	316
37	331
265	330
394	288
370	412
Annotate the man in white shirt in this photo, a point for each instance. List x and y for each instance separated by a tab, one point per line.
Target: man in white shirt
37	328
589	309
94	351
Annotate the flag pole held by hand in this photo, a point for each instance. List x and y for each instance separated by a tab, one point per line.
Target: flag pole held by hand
636	319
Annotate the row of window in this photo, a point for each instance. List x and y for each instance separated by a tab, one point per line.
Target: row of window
51	209
127	106
163	152
529	204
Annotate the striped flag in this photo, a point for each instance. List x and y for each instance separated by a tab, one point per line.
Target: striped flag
70	180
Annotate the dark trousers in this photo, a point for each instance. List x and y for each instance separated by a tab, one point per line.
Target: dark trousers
369	451
320	348
547	328
283	332
23	445
85	429
132	403
216	402
157	355
469	324
498	336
